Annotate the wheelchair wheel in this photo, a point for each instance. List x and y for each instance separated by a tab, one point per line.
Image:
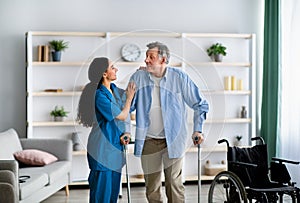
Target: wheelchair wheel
227	188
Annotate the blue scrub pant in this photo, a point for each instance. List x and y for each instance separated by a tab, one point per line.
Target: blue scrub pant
104	186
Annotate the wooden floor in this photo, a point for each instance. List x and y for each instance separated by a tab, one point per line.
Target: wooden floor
80	195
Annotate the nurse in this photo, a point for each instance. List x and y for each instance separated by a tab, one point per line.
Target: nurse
105	107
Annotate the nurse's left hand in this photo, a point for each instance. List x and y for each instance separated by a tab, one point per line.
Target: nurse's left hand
125	139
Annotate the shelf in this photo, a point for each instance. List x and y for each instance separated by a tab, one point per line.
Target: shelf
219	64
217	148
229	120
133	179
200	35
218	35
227	92
226	120
140	34
74	34
202	177
79	153
83	182
59	64
141	63
191	149
52	123
221	148
144	34
121	63
55	94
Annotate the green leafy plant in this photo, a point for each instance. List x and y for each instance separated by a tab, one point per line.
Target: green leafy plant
59	112
59	45
216	49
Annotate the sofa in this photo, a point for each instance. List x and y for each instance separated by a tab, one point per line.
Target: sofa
34	181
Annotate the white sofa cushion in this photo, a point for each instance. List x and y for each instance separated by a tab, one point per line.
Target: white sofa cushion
33	184
9	144
54	170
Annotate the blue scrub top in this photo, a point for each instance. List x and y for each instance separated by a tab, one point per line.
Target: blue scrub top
105	151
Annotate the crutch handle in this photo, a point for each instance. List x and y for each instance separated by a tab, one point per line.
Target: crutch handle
196	138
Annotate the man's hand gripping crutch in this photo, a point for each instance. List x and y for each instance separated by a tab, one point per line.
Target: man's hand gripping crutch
198	138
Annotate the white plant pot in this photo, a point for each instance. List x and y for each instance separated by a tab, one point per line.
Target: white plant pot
59	118
218	58
237	143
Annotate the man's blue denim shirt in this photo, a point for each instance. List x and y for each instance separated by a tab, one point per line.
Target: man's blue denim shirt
176	91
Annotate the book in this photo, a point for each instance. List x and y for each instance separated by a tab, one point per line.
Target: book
46	53
53	90
43	53
40	50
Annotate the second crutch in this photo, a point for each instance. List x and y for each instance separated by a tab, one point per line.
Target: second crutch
127	175
199	168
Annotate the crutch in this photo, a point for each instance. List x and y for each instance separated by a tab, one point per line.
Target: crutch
199	168
127	175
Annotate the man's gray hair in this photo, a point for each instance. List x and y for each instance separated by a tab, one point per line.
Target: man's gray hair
163	50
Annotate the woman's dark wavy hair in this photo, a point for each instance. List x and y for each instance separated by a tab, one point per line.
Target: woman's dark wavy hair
86	107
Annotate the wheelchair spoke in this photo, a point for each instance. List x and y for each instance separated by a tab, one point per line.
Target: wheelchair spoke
226	188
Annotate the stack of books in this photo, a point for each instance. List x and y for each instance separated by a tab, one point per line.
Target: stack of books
43	53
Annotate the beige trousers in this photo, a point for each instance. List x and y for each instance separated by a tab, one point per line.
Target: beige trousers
154	159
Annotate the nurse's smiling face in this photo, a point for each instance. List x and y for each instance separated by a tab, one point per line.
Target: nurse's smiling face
111	72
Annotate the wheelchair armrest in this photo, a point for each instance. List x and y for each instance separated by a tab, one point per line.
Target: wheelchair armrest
243	164
285	160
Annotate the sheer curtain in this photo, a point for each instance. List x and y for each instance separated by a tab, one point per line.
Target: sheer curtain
288	143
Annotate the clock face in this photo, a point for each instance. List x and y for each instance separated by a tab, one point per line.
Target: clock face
130	52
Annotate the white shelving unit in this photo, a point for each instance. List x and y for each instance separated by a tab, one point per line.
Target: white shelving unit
188	52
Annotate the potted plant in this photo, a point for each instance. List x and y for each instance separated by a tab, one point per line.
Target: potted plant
216	52
58	46
238	141
59	113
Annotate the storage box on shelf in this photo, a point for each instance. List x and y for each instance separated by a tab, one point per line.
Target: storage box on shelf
188	51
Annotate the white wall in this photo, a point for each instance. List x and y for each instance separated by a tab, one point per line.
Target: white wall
17	17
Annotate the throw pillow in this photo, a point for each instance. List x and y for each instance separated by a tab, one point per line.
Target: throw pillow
35	157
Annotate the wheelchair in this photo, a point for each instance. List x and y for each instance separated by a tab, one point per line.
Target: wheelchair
249	178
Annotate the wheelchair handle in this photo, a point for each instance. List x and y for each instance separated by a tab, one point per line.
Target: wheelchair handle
258	138
224	140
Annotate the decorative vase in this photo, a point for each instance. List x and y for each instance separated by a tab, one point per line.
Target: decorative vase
56	55
244	112
76	141
76	147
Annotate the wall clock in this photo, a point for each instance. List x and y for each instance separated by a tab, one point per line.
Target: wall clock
130	52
